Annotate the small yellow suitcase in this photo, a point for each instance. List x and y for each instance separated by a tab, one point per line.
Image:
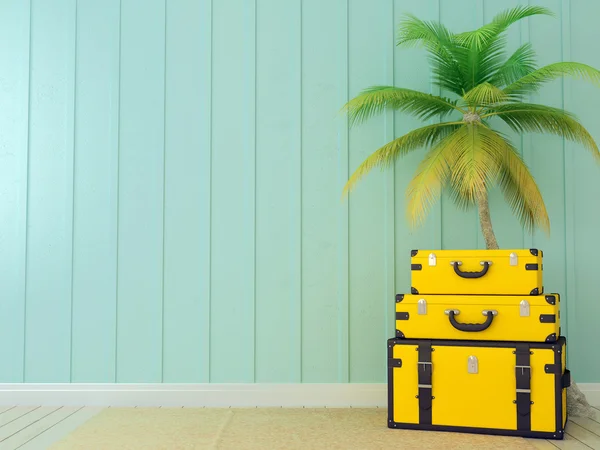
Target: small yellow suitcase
516	389
508	272
478	317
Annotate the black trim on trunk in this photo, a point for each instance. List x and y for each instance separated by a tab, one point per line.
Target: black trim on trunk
492	431
531	267
548	318
551	337
414	252
424	367
551	299
416	267
401	316
534	251
523	376
394	362
399	298
399	334
535	291
413	290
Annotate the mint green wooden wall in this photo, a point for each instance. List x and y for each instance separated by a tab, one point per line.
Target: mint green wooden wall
170	180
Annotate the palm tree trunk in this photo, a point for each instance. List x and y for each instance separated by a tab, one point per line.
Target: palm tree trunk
486	221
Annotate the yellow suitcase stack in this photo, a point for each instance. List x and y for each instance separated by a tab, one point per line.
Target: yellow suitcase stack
478	347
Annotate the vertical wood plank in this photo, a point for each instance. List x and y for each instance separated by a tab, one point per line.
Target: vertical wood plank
343	264
50	214
185	203
141	183
321	191
507	227
233	192
389	26
205	169
417	77
546	154
367	281
461	228
277	164
14	142
583	177
568	186
95	202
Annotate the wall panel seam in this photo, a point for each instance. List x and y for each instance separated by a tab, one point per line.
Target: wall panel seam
118	180
164	174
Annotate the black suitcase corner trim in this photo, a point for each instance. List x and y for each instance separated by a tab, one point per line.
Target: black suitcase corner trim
534	251
551	337
551	299
531	267
548	318
402	316
400	334
414	252
416	267
413	290
399	298
535	291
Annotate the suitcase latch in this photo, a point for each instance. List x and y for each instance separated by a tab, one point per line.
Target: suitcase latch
422	306
513	259
524	308
472	364
432	259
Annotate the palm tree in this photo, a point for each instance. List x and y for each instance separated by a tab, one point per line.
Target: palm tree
483	86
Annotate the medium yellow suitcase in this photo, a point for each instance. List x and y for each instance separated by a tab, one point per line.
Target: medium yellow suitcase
479	317
516	389
508	272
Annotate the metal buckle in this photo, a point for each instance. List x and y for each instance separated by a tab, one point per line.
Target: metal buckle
523	369
523	391
423	363
425	386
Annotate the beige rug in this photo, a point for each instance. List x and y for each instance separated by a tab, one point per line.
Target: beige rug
270	429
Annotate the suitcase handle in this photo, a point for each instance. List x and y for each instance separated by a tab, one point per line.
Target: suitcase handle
471	326
485	264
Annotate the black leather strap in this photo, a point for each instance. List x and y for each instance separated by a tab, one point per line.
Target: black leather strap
523	377
424	379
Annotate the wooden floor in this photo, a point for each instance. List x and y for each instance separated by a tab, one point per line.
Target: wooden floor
36	428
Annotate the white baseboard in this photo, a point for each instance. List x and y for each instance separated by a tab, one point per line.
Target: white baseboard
212	395
196	395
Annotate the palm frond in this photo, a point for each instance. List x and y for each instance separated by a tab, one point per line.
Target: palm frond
482	37
533	81
413	140
477	167
432	173
518	186
445	55
519	64
484	94
529	117
376	99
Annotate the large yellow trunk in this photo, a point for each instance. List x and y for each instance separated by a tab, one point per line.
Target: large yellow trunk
473	386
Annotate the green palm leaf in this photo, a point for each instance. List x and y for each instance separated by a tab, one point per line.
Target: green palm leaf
433	172
413	140
527	117
533	81
484	94
376	99
519	64
482	37
519	187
